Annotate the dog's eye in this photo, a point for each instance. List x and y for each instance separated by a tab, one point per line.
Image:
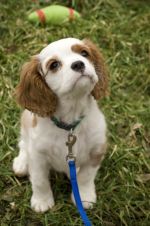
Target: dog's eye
55	65
84	53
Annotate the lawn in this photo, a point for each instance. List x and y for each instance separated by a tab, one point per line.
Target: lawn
122	32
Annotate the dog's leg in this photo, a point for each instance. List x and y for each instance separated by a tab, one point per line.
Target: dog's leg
42	197
87	175
20	163
86	185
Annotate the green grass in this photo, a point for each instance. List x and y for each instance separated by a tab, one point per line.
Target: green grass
121	29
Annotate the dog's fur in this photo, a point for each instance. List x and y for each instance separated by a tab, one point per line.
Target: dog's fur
50	87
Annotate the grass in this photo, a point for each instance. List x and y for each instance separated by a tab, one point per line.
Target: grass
121	30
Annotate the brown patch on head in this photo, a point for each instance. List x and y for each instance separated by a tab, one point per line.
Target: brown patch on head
100	88
33	93
78	48
97	158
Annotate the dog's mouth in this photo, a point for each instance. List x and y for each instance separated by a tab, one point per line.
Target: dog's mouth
85	76
83	82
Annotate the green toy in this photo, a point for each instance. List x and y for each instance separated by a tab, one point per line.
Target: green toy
54	14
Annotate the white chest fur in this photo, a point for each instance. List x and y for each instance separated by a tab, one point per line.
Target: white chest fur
50	140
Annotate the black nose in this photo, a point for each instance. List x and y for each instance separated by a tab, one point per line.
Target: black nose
78	66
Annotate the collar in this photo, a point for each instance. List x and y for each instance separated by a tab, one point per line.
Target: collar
62	125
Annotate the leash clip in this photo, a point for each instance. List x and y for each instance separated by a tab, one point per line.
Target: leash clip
70	142
70	158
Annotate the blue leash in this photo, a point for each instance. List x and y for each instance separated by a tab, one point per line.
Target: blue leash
71	162
75	189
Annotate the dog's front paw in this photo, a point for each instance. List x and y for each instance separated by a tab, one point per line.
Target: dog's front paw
88	198
42	205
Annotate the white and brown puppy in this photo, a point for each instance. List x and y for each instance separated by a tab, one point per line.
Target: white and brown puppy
64	81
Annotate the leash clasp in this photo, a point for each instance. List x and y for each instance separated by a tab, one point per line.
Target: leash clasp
70	142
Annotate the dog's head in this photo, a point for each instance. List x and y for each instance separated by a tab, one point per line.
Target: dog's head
65	67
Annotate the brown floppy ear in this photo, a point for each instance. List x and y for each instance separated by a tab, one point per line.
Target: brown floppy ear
33	93
100	88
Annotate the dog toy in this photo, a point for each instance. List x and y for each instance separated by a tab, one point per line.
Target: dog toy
54	14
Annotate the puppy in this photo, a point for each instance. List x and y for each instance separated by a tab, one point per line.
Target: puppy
58	90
